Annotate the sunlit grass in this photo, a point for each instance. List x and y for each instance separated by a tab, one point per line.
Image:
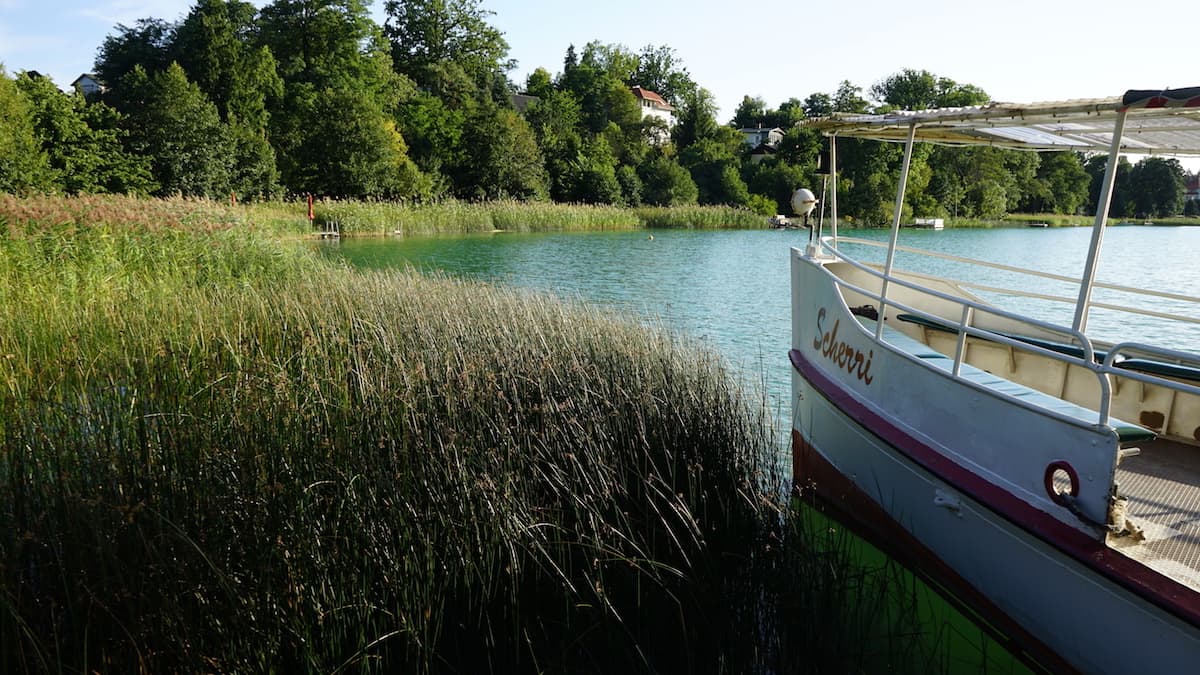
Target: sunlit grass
463	217
221	453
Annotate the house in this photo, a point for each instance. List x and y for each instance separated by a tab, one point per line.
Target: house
1192	188
88	84
760	136
653	105
761	152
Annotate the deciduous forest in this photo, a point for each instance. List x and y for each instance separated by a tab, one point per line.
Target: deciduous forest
315	97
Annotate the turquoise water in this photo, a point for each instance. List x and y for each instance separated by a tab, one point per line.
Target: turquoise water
730	289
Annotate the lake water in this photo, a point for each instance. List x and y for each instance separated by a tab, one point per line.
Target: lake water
730	288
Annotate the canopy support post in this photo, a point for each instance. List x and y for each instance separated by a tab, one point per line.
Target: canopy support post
891	255
833	192
1093	258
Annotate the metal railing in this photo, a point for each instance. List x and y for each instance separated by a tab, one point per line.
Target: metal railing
1109	365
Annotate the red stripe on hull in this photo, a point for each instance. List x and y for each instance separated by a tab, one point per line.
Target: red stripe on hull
1156	588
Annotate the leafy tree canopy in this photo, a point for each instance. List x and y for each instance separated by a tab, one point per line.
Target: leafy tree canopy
83	142
428	32
24	167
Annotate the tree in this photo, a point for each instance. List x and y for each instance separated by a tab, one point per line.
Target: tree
1158	187
330	44
24	167
178	128
539	83
749	113
1121	202
713	163
334	131
696	120
1061	185
603	95
146	44
82	142
921	90
427	32
665	183
214	45
556	119
848	98
594	177
659	70
818	105
502	160
776	180
352	150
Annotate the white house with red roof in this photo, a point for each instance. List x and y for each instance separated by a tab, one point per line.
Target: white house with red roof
653	105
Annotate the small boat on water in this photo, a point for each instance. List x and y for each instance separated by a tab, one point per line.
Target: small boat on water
1046	481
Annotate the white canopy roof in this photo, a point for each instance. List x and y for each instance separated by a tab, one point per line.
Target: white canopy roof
1158	122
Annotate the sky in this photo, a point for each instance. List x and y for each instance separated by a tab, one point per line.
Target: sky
1016	50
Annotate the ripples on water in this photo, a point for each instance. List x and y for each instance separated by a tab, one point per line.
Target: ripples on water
730	288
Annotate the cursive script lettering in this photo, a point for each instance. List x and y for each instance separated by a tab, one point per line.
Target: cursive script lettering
841	353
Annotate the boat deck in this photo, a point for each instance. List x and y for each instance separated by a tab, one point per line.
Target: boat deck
1162	485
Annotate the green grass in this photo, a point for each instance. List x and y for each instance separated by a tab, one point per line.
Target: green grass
220	453
376	218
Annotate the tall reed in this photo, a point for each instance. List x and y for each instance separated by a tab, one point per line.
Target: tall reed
306	470
219	453
464	217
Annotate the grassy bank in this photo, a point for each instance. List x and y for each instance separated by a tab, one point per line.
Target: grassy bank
219	453
374	218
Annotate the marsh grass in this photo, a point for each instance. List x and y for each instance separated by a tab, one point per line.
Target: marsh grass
700	217
251	469
357	218
219	453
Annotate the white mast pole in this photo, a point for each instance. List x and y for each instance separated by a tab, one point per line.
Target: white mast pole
891	256
1093	258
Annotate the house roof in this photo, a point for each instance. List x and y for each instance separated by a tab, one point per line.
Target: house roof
85	76
654	98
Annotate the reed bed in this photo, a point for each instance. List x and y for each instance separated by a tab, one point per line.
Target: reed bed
220	454
325	470
464	217
700	217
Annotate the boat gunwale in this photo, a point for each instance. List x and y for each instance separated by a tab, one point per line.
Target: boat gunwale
1145	582
1102	367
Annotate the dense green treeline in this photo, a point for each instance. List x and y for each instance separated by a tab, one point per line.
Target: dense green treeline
314	97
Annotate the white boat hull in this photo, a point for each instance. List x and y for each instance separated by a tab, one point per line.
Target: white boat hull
973	521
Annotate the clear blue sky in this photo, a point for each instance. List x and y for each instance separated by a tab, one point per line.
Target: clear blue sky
1017	50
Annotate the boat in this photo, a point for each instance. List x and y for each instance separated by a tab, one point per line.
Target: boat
779	222
1045	481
